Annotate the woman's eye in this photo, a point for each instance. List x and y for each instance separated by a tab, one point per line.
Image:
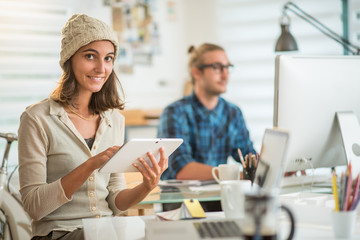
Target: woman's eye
89	56
109	58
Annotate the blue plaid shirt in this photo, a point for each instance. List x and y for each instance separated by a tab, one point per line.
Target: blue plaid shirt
210	136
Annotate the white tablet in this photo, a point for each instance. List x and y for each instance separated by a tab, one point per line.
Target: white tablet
135	148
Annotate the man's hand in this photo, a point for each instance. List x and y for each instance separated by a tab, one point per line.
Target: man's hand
249	165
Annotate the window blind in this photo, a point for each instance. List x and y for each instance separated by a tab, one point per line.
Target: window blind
30	35
248	29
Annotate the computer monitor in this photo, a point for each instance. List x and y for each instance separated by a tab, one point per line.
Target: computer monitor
309	91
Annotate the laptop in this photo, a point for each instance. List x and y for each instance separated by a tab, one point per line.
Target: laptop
270	169
268	177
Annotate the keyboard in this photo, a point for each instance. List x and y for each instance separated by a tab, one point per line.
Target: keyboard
305	180
218	229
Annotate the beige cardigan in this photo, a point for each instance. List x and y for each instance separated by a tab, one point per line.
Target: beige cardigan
50	147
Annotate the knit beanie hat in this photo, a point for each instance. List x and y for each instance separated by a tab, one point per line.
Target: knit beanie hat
81	30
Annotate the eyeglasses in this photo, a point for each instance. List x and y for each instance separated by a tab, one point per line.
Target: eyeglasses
217	67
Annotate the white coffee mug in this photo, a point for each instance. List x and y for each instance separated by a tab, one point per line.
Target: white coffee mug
226	172
233	197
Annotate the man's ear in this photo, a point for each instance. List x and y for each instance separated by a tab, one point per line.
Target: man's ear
196	73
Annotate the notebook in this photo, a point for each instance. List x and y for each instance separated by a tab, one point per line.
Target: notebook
268	176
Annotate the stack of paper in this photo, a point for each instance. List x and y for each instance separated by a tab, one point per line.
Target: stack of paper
190	209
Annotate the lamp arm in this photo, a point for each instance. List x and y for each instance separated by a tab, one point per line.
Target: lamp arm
335	38
321	27
287	6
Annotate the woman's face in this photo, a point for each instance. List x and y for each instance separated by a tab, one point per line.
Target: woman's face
92	64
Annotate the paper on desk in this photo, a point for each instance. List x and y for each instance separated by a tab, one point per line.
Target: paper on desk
171	215
175	215
206	188
189	209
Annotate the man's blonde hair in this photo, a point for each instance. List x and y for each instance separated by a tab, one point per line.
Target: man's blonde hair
197	55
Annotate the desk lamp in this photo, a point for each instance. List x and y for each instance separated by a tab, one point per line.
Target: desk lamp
286	41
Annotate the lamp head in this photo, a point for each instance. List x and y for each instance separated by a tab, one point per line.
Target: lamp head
286	41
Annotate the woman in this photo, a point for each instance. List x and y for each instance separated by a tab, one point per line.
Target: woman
63	140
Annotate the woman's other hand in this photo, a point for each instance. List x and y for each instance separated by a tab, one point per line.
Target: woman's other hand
73	180
151	175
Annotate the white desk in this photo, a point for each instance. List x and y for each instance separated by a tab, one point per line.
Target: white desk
313	221
130	228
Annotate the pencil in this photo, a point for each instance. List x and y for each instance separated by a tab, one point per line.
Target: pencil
349	168
248	164
241	158
334	187
347	192
355	203
342	191
356	190
254	160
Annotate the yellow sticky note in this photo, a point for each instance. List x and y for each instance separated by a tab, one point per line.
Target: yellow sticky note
194	208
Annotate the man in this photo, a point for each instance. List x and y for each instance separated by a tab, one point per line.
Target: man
212	128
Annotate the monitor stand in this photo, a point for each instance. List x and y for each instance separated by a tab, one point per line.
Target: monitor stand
350	132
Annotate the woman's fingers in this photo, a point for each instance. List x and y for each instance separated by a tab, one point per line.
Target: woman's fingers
163	163
150	179
141	170
146	166
155	163
157	168
108	153
111	151
151	175
101	158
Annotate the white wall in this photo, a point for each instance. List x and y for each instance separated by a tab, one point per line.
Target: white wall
201	21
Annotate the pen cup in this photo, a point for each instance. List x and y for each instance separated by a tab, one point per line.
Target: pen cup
343	223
